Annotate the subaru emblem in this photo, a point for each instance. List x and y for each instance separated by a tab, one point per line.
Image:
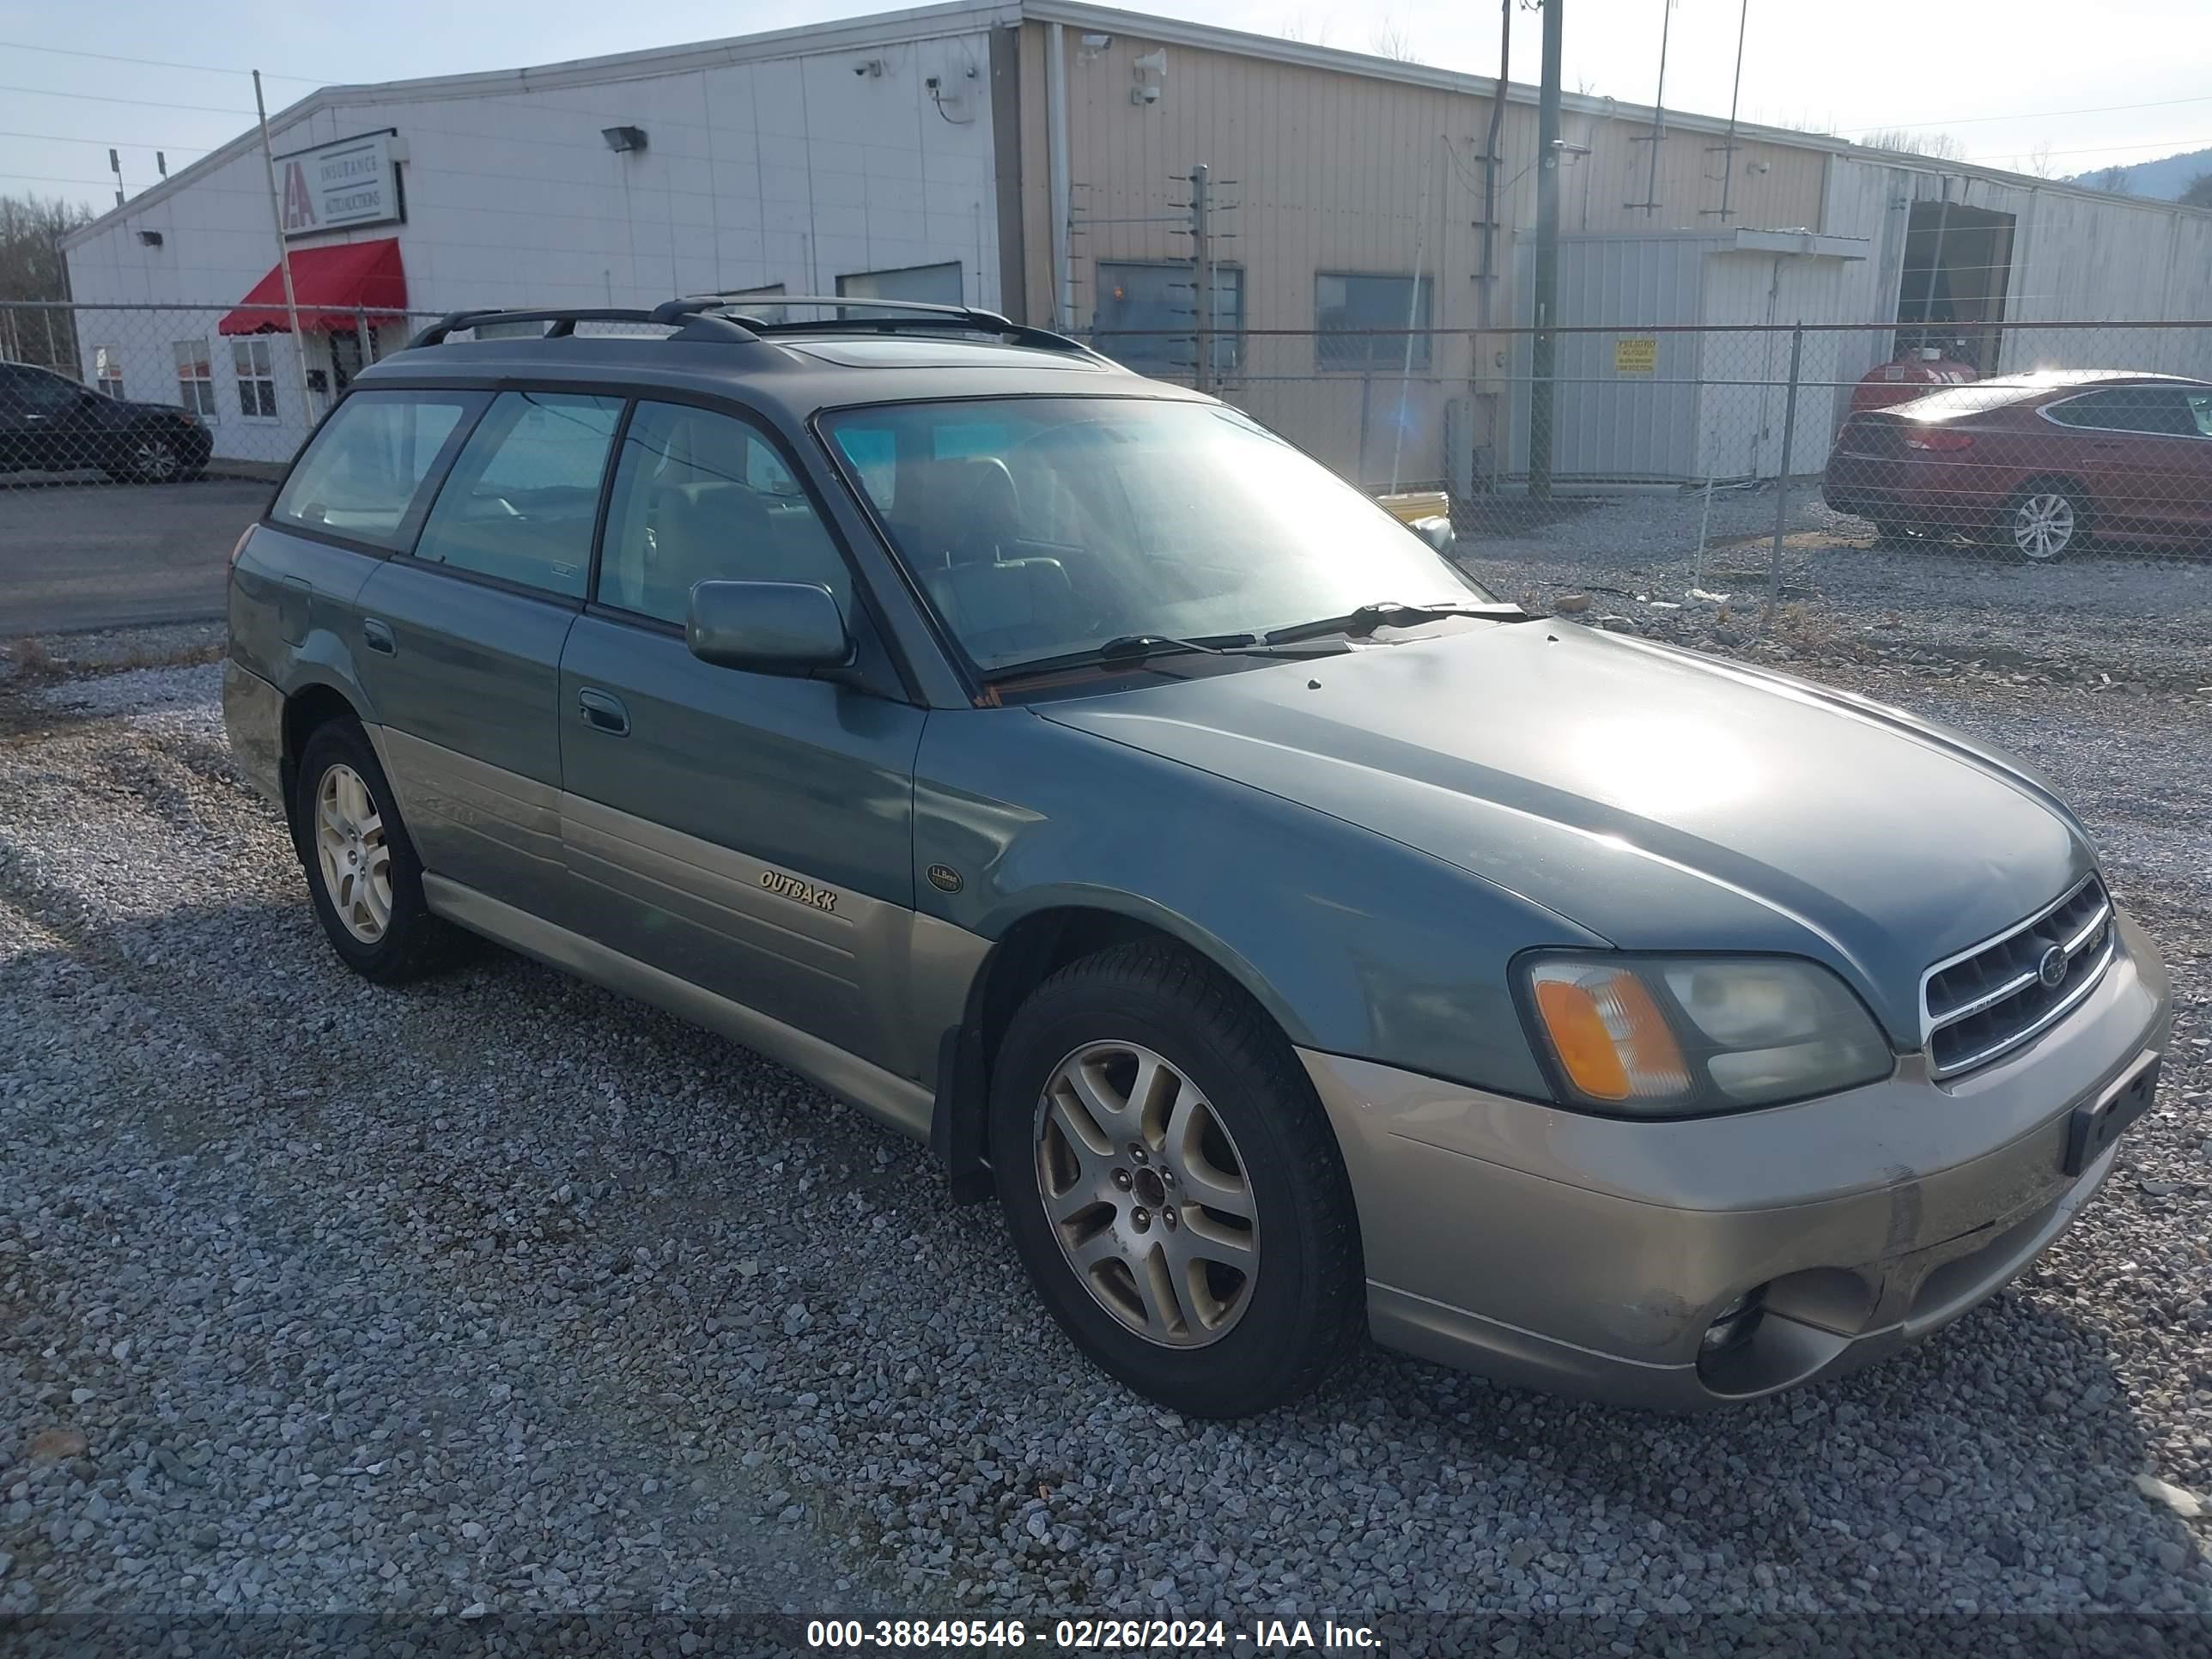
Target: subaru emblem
2051	969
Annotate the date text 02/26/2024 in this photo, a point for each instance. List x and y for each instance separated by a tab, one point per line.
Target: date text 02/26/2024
1090	1635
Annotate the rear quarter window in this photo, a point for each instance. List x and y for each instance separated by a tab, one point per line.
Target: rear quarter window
362	475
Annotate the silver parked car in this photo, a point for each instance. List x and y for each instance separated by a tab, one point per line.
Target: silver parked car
1297	941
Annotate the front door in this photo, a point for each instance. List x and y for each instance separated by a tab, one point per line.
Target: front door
748	833
460	644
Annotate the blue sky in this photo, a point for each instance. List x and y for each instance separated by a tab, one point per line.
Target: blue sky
2002	75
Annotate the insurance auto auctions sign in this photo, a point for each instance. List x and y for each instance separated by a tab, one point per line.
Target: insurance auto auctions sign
351	182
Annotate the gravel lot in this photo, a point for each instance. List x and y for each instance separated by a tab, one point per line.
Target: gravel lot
501	1295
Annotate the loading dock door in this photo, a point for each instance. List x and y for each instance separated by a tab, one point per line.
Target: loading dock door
1958	266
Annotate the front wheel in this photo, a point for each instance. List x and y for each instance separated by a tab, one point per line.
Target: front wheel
153	457
2045	521
1172	1183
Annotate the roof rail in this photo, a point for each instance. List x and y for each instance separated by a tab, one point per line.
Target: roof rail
921	316
692	324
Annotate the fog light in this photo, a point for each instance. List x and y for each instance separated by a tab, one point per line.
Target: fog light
1736	1322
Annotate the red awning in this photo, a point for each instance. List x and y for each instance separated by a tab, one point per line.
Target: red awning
331	286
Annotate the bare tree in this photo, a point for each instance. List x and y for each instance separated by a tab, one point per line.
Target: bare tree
2117	180
1936	146
1299	27
2038	161
2197	192
31	231
1392	40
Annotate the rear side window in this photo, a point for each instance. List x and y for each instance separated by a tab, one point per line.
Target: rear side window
520	501
362	475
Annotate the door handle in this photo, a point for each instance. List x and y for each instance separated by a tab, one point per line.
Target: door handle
377	636
604	712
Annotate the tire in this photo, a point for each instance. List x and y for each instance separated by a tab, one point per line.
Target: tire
2044	521
1248	1133
373	911
151	458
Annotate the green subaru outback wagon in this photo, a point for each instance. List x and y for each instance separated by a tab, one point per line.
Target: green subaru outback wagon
1064	769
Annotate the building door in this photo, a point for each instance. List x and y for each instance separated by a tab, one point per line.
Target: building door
345	360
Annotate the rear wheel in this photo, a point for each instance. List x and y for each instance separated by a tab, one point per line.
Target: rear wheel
362	873
1172	1186
2045	521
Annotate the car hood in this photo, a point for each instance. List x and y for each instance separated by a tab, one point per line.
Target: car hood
1661	799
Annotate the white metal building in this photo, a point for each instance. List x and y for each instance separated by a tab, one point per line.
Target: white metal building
1025	155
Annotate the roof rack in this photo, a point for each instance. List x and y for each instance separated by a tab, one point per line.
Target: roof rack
713	317
918	315
693	323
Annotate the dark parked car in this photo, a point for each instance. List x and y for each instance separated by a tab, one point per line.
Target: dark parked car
1061	768
2036	462
50	423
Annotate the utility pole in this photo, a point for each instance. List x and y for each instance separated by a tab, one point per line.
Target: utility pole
284	258
1543	354
1201	274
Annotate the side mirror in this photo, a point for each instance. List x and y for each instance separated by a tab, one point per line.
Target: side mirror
792	629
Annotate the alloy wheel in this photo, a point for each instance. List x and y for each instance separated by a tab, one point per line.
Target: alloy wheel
1146	1194
353	854
154	459
2043	524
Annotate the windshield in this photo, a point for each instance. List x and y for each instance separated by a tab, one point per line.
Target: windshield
1042	527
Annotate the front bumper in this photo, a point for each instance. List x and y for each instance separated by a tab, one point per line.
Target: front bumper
1589	1255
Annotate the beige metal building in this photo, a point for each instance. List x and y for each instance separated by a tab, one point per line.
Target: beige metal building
1035	157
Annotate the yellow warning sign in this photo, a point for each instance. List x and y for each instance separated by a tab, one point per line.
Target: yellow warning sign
1636	354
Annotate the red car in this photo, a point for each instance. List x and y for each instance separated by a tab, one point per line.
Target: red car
2037	463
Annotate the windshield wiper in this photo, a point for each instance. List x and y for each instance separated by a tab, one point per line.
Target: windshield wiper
1390	613
1139	647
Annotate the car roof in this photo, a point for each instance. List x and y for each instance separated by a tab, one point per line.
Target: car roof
798	370
2070	380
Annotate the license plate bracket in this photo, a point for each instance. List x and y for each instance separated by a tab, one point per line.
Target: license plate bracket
2093	1126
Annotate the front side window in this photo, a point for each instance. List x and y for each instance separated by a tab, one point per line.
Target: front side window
195	378
1345	306
520	501
701	496
1046	526
252	361
361	475
2150	408
107	370
1147	314
2200	411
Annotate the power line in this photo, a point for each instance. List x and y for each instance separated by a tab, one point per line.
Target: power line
153	63
2183	145
142	103
120	143
2031	114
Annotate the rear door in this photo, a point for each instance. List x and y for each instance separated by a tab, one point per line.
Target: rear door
461	643
749	833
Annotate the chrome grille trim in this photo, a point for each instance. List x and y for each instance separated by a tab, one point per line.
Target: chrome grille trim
2001	995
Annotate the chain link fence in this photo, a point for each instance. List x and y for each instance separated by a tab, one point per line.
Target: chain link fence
1720	472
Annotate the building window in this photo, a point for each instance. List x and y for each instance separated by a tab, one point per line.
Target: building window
107	370
935	285
196	379
1345	304
256	378
1147	315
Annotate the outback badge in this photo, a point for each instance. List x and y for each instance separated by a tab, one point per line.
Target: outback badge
803	892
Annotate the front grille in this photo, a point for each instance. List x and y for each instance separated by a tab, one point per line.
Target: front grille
1990	999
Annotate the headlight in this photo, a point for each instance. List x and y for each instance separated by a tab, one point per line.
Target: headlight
1679	1036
